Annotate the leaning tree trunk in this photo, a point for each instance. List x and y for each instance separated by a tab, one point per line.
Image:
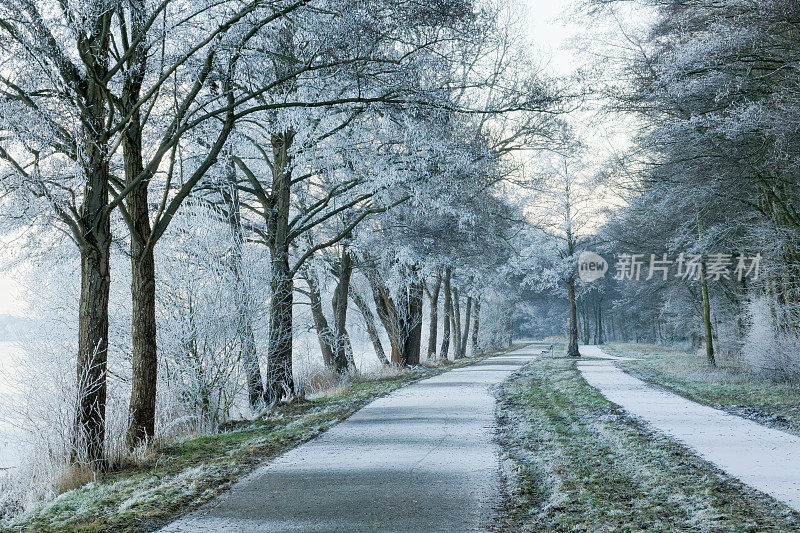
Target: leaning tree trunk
476	326
403	324
342	355
369	321
456	327
324	333
572	349
465	335
280	381
434	323
387	313
448	310
707	315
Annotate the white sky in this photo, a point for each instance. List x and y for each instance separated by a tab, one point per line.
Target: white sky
549	32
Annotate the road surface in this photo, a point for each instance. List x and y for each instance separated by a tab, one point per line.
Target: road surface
764	458
420	459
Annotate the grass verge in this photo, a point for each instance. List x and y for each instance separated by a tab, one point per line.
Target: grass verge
772	403
577	462
184	476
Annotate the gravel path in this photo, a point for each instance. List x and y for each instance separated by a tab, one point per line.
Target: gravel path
764	458
420	459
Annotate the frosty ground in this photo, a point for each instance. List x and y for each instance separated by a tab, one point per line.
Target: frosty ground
577	461
569	459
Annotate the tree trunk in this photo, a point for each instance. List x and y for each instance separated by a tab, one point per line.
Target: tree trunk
583	319
599	338
572	349
448	310
280	381
403	323
434	323
465	336
89	432
413	324
476	326
707	315
510	324
142	409
342	355
456	327
95	243
324	333
387	312
369	321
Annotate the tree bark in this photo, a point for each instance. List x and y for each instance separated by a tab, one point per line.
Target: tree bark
343	356
476	326
324	333
448	310
456	327
465	335
89	431
402	320
599	339
387	313
280	381
413	324
510	324
142	408
94	244
572	349
707	315
369	321
434	316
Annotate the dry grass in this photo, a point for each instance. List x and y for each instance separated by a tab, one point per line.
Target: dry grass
74	477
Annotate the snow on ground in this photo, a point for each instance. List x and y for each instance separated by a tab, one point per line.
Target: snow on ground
420	459
764	458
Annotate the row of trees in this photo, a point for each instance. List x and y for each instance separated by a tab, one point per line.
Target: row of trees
259	143
711	91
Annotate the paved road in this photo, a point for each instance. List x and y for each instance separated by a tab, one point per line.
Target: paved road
419	459
764	458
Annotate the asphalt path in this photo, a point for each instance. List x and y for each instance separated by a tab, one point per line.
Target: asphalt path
422	458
